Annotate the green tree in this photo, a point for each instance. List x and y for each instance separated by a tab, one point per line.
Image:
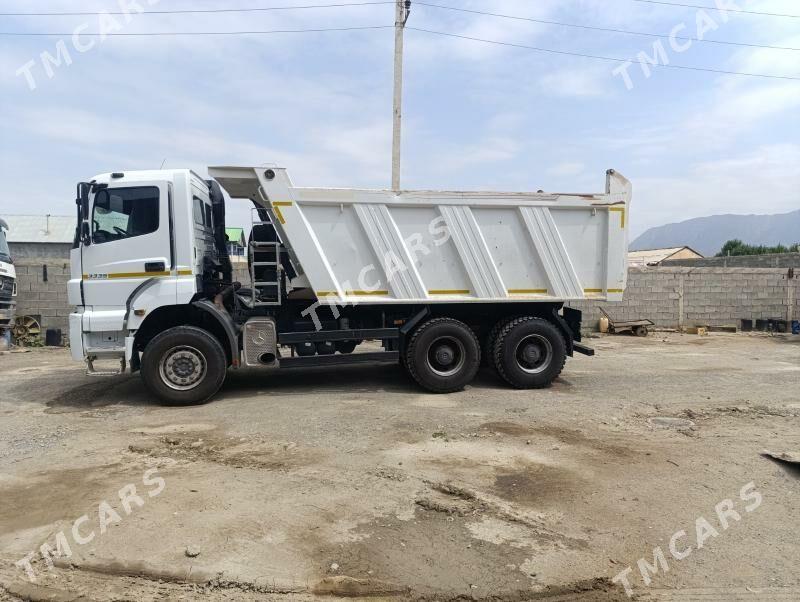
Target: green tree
737	247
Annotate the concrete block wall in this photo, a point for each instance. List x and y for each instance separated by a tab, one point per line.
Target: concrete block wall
677	296
44	298
37	250
241	274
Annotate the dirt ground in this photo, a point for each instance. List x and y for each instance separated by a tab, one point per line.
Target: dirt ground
352	482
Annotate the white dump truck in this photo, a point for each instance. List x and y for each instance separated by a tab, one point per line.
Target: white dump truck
8	284
443	280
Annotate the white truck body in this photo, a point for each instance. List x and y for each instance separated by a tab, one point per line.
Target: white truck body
377	246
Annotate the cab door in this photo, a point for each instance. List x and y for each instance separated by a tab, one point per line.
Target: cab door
130	244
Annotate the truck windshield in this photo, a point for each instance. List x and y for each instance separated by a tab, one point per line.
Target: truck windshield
5	254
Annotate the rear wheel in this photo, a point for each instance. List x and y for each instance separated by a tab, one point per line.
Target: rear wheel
443	355
529	353
487	358
346	346
184	365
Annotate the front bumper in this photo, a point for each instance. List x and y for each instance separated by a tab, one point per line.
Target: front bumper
76	336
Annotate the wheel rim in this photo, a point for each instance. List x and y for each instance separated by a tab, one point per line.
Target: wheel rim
446	356
533	354
182	368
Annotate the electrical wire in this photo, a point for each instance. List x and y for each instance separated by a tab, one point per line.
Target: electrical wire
595	28
428	31
602	58
196	33
194	10
723	9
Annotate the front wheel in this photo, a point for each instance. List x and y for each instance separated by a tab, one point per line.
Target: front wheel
184	365
443	355
529	353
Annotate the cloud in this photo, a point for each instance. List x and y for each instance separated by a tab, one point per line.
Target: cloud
566	169
573	82
763	180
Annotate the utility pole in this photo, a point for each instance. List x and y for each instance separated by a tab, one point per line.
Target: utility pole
402	10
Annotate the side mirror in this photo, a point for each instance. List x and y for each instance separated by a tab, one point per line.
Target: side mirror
82	199
86	234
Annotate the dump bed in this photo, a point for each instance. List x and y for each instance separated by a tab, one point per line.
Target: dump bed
379	246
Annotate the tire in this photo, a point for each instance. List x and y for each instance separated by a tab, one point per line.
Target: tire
345	347
640	331
326	348
529	353
443	355
487	358
184	365
306	349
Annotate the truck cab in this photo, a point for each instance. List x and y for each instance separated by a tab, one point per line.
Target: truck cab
8	283
142	243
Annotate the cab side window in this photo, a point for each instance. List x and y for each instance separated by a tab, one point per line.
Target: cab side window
202	213
120	213
199	213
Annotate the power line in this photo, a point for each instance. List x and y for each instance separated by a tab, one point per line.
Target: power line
725	9
603	58
196	33
594	28
195	10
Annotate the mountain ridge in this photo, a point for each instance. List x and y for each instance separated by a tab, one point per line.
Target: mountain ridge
707	234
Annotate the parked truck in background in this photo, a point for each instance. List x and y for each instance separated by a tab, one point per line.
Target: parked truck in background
8	285
444	280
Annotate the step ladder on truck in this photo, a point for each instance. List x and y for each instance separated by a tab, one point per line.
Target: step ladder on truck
445	280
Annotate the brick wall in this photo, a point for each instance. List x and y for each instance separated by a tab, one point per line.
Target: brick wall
679	296
44	298
241	274
37	250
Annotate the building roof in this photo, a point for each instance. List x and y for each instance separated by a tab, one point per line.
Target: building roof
656	256
40	228
236	235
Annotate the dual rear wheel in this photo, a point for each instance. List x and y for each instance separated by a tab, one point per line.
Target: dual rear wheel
528	352
443	355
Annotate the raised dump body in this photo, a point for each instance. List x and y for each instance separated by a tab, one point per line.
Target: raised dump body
446	281
382	247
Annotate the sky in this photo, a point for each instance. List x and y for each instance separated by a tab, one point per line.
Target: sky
476	115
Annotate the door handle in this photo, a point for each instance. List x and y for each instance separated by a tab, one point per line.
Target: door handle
154	266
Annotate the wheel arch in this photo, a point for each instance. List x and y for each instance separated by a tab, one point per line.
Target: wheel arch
202	314
568	325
